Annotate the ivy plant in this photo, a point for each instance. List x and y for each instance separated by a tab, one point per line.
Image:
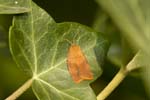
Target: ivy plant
39	46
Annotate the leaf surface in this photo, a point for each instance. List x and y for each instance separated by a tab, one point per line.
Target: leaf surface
39	47
14	6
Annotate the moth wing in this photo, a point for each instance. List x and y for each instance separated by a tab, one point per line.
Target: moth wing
74	71
78	65
85	72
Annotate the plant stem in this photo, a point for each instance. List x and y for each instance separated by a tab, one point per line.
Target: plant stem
113	84
21	90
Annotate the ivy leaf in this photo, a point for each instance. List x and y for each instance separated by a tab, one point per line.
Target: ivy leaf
39	47
14	6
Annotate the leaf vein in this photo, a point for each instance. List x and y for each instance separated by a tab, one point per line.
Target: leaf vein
44	91
26	57
33	40
51	68
51	86
55	52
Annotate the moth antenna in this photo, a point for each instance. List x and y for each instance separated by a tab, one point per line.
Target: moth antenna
75	37
72	42
68	41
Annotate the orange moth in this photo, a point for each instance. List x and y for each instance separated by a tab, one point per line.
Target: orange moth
78	65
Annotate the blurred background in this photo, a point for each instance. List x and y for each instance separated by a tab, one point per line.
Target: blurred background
89	13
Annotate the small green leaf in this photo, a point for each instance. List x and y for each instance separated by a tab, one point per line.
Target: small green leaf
39	47
14	6
138	61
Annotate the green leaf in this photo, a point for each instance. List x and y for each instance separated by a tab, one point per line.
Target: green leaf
14	6
39	47
132	17
138	61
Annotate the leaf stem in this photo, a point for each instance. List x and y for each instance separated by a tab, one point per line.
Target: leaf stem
21	90
113	84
